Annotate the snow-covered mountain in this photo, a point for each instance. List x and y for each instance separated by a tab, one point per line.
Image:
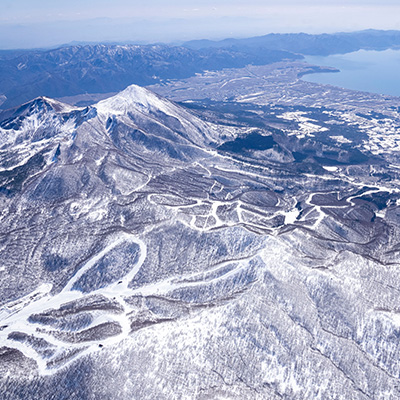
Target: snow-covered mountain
108	68
146	253
134	124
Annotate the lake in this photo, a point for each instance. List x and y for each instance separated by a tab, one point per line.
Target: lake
365	70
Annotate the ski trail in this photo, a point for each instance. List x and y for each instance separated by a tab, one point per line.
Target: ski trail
14	316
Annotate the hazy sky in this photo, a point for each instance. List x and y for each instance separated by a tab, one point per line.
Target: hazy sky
36	23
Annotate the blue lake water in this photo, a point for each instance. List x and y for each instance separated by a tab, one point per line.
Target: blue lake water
365	70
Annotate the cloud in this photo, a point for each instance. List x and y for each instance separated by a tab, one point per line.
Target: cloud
24	23
33	11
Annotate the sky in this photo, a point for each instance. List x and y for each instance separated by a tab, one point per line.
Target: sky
46	23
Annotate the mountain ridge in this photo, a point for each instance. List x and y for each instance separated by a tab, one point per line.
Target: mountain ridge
135	246
309	44
100	68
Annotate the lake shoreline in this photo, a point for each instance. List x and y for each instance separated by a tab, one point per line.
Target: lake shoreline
365	71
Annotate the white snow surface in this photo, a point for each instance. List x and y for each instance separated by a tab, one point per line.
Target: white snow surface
138	99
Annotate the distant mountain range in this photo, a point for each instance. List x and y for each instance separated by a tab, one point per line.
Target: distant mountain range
74	70
303	43
109	68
